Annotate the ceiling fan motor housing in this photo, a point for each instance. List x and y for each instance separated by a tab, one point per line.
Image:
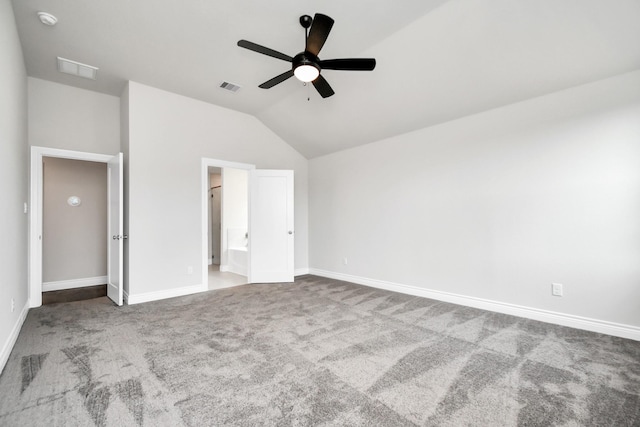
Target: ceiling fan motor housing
305	58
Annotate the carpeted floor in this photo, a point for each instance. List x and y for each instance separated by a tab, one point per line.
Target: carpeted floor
317	352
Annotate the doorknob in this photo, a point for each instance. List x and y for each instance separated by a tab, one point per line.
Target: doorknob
290	232
116	237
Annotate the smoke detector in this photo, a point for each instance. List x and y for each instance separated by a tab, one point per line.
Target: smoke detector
47	19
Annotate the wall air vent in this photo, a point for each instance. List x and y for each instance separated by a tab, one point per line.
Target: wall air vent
77	69
230	86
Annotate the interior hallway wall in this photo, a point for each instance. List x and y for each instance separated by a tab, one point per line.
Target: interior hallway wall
13	182
74	239
497	206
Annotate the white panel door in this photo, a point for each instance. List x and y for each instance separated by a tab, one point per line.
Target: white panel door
271	226
115	234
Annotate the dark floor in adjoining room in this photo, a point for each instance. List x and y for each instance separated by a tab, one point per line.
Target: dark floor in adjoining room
76	294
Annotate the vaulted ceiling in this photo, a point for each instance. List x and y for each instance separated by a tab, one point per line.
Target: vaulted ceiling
437	60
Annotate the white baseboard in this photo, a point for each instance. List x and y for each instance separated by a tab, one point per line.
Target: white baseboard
578	322
301	272
224	267
237	269
168	293
210	262
13	336
73	283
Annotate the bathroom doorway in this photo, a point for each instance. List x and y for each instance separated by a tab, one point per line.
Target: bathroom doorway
215	215
227	226
264	241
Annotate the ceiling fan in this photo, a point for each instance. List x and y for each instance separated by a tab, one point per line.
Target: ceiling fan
306	65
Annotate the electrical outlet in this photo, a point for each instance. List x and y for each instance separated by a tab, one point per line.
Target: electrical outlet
190	269
345	261
556	289
13	305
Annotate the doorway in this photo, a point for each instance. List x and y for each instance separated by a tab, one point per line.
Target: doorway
215	215
74	229
227	224
269	241
114	219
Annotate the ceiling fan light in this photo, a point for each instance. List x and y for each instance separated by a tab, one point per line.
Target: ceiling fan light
306	73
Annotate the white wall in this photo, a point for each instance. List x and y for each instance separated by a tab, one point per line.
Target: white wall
497	205
13	182
235	198
74	239
168	137
69	118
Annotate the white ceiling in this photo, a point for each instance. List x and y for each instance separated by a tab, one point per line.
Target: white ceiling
437	60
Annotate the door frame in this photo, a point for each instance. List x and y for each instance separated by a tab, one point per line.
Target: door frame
204	192
36	217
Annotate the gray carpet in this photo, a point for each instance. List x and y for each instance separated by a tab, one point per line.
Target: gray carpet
317	352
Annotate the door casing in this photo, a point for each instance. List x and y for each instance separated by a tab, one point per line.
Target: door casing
35	214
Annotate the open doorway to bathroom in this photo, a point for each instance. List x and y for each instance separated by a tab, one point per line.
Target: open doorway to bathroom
215	216
227	226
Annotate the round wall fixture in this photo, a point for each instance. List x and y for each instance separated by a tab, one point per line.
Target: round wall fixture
74	201
47	18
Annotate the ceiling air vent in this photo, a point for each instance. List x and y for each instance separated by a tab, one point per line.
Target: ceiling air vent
230	86
77	69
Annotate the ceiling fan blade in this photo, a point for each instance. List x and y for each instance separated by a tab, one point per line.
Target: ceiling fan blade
352	64
320	28
264	50
323	88
276	80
